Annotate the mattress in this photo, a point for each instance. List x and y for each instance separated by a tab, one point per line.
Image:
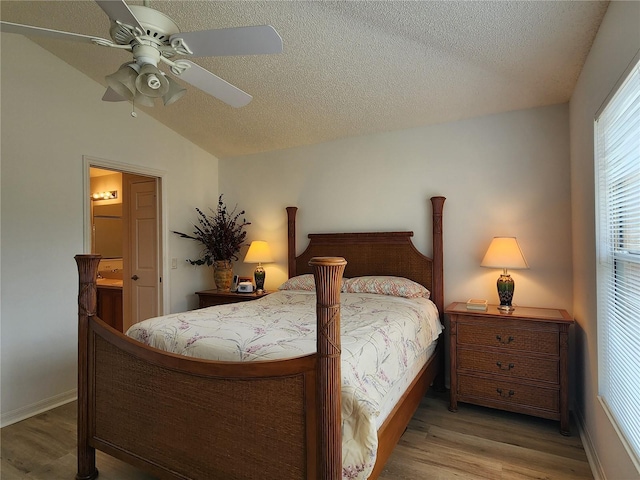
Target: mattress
385	341
398	389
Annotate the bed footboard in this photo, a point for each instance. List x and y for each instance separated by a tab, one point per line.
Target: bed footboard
184	418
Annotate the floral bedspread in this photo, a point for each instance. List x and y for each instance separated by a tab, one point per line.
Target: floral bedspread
381	336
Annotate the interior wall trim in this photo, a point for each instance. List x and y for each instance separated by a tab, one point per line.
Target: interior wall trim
22	413
589	449
88	162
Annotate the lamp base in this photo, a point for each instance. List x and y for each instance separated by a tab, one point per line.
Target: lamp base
259	276
506	286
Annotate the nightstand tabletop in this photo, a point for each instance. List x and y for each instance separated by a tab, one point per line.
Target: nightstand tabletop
210	298
233	295
542	314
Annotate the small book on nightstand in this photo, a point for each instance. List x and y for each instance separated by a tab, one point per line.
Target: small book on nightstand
475	304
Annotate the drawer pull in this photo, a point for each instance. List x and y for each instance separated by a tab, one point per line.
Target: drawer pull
508	367
511	392
504	342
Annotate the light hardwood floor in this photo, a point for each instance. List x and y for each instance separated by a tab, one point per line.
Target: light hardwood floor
474	443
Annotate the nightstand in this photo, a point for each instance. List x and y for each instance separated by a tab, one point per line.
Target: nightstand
209	298
516	361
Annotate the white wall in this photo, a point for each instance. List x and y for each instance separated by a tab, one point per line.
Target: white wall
617	42
52	115
504	174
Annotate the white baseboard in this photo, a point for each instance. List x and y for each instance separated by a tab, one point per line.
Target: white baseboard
592	456
23	413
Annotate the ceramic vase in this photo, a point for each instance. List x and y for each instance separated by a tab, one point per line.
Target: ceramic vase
223	274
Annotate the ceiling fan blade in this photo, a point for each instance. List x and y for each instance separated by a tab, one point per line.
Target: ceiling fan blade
261	39
28	30
214	85
118	10
112	96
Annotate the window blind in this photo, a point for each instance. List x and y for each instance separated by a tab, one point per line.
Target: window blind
617	137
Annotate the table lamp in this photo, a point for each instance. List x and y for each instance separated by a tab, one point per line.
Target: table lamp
259	252
504	252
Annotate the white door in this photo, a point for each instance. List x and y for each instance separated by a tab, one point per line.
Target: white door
142	270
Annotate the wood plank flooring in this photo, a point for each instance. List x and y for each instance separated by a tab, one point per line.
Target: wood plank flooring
481	443
474	443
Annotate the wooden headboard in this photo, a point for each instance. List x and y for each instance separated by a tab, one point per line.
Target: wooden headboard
377	253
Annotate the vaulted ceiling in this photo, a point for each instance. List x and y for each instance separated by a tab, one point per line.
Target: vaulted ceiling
349	68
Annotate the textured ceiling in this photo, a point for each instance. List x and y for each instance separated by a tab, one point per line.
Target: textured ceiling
351	68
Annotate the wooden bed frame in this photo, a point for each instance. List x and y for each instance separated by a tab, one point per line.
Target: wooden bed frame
184	418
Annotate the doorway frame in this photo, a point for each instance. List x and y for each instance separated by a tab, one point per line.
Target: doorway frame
88	162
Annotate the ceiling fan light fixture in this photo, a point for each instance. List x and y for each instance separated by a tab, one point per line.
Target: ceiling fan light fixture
176	92
151	82
124	80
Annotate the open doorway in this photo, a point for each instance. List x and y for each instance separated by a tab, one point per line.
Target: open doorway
125	217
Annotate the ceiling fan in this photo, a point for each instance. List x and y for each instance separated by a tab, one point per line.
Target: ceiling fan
154	38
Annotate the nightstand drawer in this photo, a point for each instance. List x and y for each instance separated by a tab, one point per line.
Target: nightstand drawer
544	369
510	392
508	337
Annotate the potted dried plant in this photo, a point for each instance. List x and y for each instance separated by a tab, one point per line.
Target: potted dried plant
222	234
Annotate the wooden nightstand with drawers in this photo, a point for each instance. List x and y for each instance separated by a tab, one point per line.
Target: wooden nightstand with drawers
516	361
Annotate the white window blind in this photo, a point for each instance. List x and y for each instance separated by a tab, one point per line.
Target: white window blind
617	137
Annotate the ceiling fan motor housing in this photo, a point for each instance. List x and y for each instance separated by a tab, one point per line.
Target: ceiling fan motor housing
158	27
146	54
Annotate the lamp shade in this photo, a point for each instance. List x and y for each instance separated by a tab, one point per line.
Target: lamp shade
141	99
151	82
258	252
504	252
174	93
123	81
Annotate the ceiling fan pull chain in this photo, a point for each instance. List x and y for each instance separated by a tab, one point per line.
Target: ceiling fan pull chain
133	108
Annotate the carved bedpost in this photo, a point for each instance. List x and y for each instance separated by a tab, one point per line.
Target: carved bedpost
437	295
291	240
437	282
87	271
328	277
